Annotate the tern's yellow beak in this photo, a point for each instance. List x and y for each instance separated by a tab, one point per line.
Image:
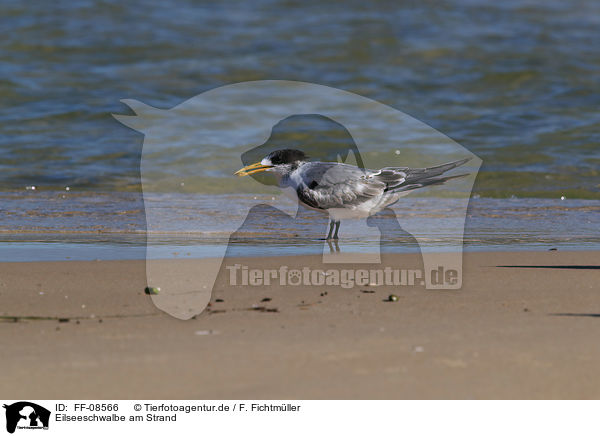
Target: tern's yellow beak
251	169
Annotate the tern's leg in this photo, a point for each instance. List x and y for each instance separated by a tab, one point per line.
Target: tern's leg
337	227
330	230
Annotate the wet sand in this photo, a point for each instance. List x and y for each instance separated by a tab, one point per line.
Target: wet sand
86	330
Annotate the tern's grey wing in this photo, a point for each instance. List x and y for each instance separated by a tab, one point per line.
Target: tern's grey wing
326	185
420	177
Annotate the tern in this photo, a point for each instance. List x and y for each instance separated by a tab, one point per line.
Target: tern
346	191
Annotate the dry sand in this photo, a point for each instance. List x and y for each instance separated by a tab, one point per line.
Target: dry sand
511	332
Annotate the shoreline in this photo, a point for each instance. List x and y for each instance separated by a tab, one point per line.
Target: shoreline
106	252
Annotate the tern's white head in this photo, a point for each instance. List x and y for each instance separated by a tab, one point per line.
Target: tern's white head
279	161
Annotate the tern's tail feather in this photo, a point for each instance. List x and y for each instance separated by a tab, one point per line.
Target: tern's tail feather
419	177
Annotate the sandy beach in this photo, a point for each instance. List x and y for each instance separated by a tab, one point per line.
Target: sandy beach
524	325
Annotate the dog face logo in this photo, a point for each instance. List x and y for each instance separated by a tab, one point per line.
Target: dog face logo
194	149
26	415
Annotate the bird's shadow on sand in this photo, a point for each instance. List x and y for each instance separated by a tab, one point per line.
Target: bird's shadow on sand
551	266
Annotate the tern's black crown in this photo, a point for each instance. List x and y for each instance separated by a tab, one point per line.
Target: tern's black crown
286	156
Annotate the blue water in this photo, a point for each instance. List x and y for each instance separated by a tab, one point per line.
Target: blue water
515	82
113	226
